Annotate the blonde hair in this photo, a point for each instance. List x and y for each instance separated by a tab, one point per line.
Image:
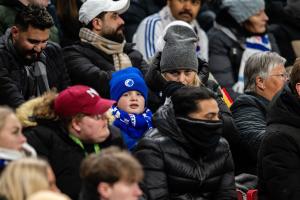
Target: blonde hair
48	195
4	113
196	82
24	177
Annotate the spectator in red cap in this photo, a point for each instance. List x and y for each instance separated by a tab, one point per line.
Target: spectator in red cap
70	125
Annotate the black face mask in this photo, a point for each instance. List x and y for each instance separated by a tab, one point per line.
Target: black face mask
204	135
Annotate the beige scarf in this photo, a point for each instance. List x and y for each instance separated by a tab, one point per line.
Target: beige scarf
121	60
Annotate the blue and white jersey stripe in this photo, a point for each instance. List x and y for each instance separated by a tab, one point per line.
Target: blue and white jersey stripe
149	36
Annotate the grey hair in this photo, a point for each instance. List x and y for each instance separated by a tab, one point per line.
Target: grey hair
260	64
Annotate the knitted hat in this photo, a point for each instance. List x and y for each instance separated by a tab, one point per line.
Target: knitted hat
179	51
125	80
241	10
160	42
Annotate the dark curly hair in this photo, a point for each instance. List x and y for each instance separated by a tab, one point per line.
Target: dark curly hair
36	16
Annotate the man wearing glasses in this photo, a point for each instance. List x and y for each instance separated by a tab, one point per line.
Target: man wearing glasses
279	154
78	128
265	75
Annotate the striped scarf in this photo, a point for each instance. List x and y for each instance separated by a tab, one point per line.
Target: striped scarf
121	60
132	126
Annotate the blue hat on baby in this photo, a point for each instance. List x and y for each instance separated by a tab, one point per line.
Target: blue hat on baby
125	80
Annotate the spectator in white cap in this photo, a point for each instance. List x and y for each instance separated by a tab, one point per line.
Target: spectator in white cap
240	31
102	48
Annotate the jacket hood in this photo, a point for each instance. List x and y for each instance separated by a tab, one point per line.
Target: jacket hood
4	39
285	108
6	42
12	3
35	109
225	19
164	120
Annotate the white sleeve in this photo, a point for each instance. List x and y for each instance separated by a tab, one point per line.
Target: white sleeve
203	42
146	35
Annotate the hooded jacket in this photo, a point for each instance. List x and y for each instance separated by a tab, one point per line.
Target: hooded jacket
51	140
279	155
173	170
13	76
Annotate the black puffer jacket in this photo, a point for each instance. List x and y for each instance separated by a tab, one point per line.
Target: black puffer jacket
279	155
175	171
13	77
158	87
249	112
52	142
90	66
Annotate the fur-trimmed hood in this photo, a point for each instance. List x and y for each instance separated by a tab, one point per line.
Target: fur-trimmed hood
42	108
38	108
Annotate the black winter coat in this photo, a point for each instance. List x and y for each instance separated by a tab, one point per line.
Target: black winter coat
225	51
249	112
52	142
159	89
175	171
13	77
279	155
90	66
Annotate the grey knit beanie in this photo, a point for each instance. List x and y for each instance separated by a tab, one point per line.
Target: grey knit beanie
179	51
241	10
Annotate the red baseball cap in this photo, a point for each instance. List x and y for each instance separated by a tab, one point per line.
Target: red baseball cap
80	99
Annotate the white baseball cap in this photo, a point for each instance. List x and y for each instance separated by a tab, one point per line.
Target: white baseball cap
91	8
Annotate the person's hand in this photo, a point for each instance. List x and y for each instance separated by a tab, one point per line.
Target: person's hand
155	61
171	87
203	70
155	81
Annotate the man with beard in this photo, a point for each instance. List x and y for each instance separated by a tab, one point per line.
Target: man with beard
102	48
151	28
29	64
185	156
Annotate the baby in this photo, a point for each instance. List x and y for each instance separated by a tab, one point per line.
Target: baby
132	117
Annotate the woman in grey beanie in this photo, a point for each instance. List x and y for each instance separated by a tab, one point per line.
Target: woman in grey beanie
177	65
176	61
239	32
